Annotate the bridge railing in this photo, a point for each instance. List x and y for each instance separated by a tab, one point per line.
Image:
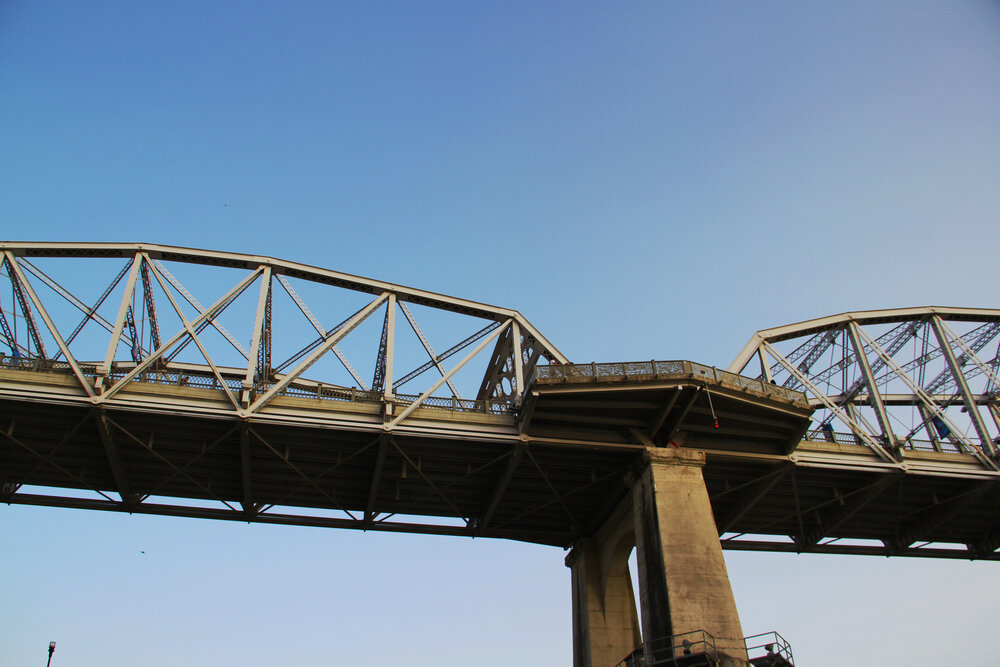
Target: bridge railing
207	380
40	365
675	650
655	370
823	435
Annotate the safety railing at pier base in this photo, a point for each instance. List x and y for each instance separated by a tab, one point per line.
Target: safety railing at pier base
691	648
769	649
655	370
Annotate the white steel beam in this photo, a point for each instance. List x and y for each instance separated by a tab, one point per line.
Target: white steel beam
518	359
983	368
963	386
198	307
314	356
258	326
116	333
197	341
875	399
304	309
926	399
427	346
223	301
390	346
83	379
830	405
479	348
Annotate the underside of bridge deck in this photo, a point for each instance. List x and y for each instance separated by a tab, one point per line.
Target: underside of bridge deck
550	473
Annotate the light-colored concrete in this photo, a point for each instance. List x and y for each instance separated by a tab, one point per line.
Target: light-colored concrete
683	583
605	619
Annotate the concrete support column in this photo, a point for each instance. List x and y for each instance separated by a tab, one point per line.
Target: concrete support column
683	583
605	620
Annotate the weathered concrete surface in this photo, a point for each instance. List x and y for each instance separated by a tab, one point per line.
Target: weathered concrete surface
605	620
684	585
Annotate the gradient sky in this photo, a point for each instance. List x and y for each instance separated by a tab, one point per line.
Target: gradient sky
640	179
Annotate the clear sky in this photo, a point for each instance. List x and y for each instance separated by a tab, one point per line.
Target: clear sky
640	179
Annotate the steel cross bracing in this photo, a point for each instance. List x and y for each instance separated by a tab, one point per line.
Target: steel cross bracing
873	386
252	408
192	378
912	392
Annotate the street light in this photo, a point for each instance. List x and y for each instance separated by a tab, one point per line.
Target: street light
52	649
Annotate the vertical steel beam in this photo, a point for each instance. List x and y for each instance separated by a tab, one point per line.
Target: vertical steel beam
314	356
89	312
390	345
147	291
53	330
15	348
479	348
765	367
116	334
995	411
963	386
197	341
18	283
223	301
259	324
844	417
518	360
874	397
494	369
929	402
926	418
976	345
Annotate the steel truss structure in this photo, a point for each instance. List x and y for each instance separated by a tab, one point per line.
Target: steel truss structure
893	379
143	372
123	392
907	401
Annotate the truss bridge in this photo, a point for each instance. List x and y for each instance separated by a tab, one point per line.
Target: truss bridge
163	380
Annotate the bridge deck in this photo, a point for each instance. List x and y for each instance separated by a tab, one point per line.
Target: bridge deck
548	472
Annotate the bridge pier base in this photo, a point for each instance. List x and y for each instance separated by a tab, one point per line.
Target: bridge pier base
605	620
683	583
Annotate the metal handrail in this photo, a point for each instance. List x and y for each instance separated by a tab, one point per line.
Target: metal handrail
667	650
169	375
768	644
647	370
768	648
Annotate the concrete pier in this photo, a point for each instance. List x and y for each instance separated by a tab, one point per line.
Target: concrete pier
683	583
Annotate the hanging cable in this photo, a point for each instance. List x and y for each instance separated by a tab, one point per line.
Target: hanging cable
715	419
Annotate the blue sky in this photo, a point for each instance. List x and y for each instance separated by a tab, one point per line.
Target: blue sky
640	180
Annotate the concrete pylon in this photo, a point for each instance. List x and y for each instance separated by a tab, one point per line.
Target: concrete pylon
605	621
683	583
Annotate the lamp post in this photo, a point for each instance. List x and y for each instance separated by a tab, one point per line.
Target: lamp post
52	649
